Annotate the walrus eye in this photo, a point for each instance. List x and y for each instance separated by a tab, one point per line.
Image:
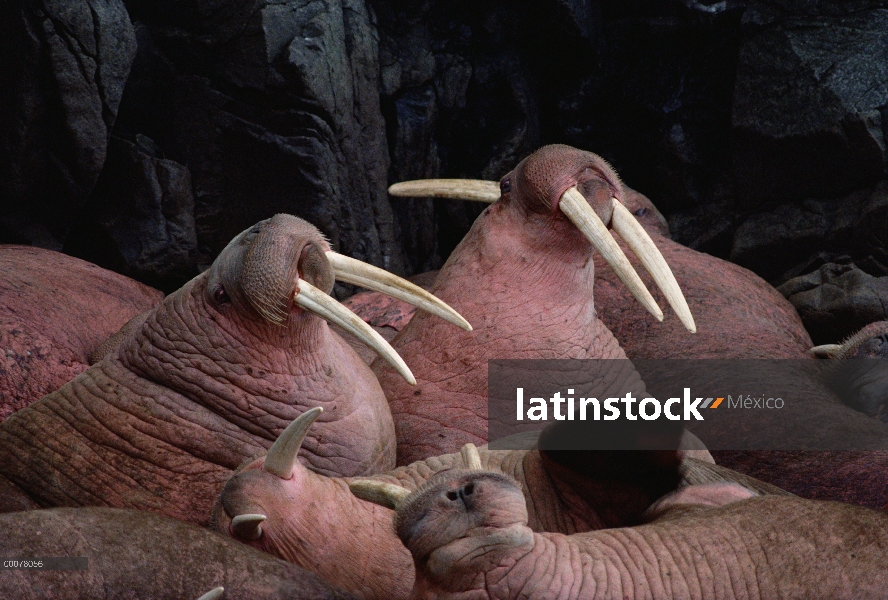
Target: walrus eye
505	186
252	233
641	212
221	296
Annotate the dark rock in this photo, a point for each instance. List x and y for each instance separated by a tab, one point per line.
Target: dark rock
837	300
494	89
459	101
63	64
140	221
414	150
758	127
55	311
273	107
795	238
806	122
708	228
660	116
869	240
811	81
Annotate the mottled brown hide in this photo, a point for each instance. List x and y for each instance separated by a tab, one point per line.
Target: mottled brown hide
645	212
856	477
54	311
315	522
468	535
738	314
869	342
207	381
522	277
141	556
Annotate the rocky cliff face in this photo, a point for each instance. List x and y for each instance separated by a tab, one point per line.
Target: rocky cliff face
64	67
145	134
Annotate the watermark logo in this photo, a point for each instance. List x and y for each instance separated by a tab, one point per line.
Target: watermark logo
618	404
749	402
569	408
648	409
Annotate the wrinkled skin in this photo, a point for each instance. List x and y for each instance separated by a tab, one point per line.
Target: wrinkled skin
389	315
141	556
762	325
760	322
203	384
315	521
646	213
522	277
468	534
870	342
54	311
856	477
738	314
859	372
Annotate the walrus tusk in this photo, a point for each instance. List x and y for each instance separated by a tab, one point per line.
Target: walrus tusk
629	229
471	457
452	189
213	594
825	351
248	527
311	298
647	252
281	457
360	273
378	492
577	209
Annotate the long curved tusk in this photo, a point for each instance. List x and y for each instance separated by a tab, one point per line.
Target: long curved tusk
281	456
360	273
471	457
248	527
647	252
213	594
311	298
826	350
575	208
478	190
379	492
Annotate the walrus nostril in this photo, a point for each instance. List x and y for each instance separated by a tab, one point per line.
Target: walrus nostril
452	495
467	491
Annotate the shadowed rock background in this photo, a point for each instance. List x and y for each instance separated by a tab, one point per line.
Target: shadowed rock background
143	135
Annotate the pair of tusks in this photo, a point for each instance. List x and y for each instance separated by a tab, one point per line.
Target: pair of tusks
213	594
280	461
359	273
391	495
577	209
282	457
